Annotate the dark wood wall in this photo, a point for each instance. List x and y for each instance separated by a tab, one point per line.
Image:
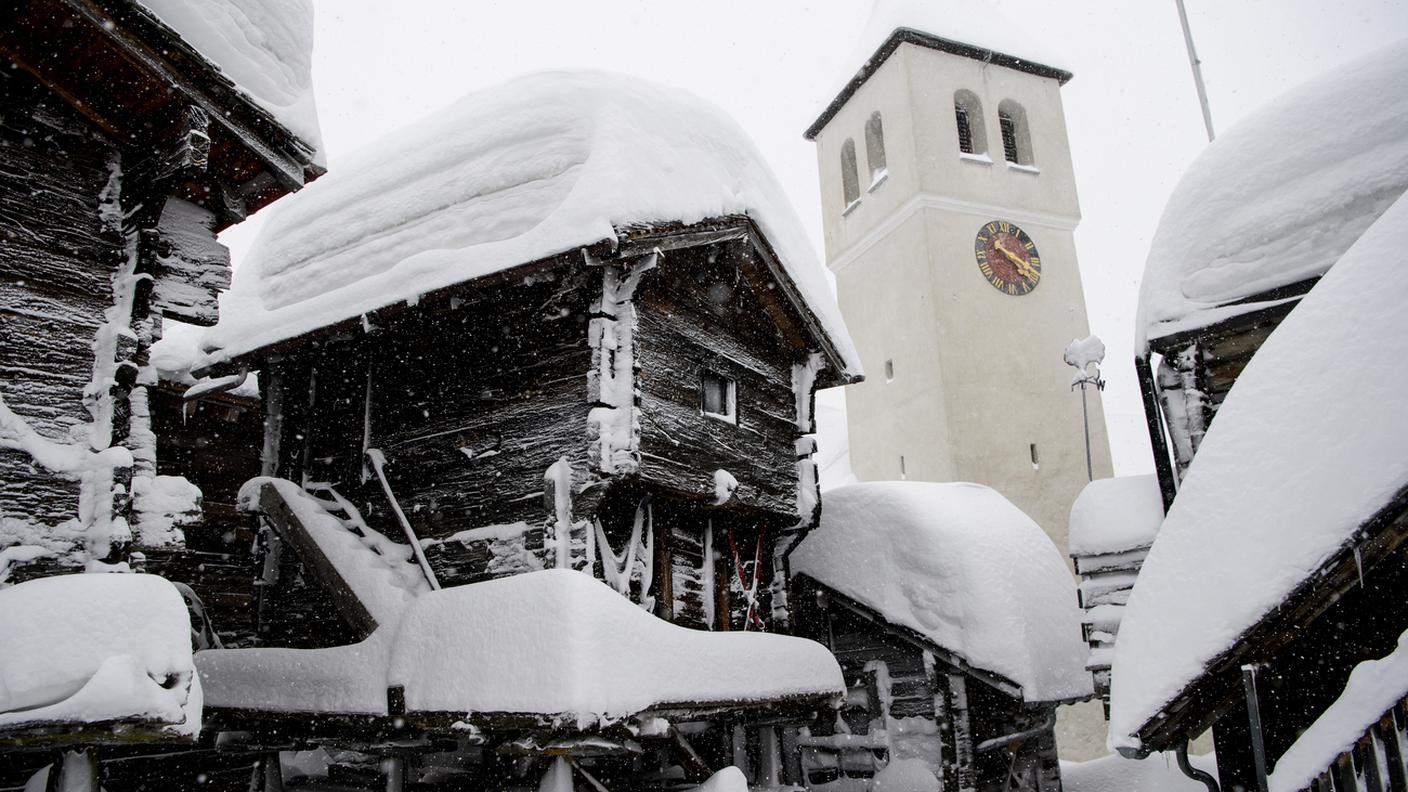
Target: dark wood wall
57	260
698	313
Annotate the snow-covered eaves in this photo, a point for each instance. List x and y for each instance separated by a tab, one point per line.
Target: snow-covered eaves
1273	202
92	651
966	28
544	165
136	78
555	643
265	47
1287	483
964	568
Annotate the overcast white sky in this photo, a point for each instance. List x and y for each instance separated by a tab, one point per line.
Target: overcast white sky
1133	116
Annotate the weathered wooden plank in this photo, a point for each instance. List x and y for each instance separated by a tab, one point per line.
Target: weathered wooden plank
191	267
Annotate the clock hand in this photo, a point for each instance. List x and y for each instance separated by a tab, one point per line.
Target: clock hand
1024	268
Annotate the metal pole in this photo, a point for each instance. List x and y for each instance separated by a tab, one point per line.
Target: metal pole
1254	721
1197	69
1085	419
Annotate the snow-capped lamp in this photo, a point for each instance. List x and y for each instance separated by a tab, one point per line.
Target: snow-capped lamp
1086	355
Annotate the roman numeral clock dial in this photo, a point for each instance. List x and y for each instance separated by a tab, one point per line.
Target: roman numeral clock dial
1007	258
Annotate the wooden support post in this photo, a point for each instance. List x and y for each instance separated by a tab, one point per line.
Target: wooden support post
962	734
1254	724
938	686
393	773
77	771
273	772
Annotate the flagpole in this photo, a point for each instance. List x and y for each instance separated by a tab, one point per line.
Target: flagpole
1197	68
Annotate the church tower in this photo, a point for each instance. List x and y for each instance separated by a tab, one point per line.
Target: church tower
950	205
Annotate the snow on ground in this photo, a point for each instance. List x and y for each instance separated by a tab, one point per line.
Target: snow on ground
1306	447
550	642
1158	773
97	647
1374	687
265	47
1115	515
1279	197
965	568
541	165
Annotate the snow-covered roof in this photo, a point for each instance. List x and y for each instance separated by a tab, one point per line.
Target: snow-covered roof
1374	688
177	353
963	567
541	165
91	648
265	47
971	27
551	642
1279	197
1283	479
1114	515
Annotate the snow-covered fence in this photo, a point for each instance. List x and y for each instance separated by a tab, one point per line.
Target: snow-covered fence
1377	762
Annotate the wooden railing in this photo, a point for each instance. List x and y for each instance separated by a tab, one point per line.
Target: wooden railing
1378	762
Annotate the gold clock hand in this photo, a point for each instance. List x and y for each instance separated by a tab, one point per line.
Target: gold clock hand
1024	268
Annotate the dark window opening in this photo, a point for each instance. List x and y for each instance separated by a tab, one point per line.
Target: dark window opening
965	130
889	370
718	396
1036	462
875	149
850	176
1009	136
903	473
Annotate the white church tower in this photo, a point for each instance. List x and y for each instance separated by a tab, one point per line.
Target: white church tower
950	205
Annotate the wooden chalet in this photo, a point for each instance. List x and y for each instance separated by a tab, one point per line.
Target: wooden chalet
123	152
1275	580
910	585
630	399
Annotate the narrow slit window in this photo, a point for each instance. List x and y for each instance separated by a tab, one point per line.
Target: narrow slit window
850	176
875	150
719	396
889	370
1036	461
1009	136
903	473
965	129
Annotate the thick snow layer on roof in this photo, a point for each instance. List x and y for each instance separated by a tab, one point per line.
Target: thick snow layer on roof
552	642
1284	477
1278	198
962	566
976	23
1114	515
541	165
265	47
1374	688
97	647
177	353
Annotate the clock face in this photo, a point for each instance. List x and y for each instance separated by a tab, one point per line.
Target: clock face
1007	257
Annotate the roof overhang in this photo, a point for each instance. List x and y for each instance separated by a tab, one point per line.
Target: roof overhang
134	78
1219	688
929	41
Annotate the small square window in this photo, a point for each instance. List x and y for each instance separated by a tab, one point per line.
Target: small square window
719	396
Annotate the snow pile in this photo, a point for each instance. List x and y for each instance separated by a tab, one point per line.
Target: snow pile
962	566
1115	515
1374	687
265	47
551	642
1157	773
1278	198
729	779
1283	479
92	648
542	165
905	775
163	504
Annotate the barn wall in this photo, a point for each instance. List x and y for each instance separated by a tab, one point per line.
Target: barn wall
57	261
693	315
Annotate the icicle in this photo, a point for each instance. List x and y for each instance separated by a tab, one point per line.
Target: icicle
558	777
559	475
1359	565
647	571
707	574
617	570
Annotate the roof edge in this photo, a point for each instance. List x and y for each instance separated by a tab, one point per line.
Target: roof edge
929	41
